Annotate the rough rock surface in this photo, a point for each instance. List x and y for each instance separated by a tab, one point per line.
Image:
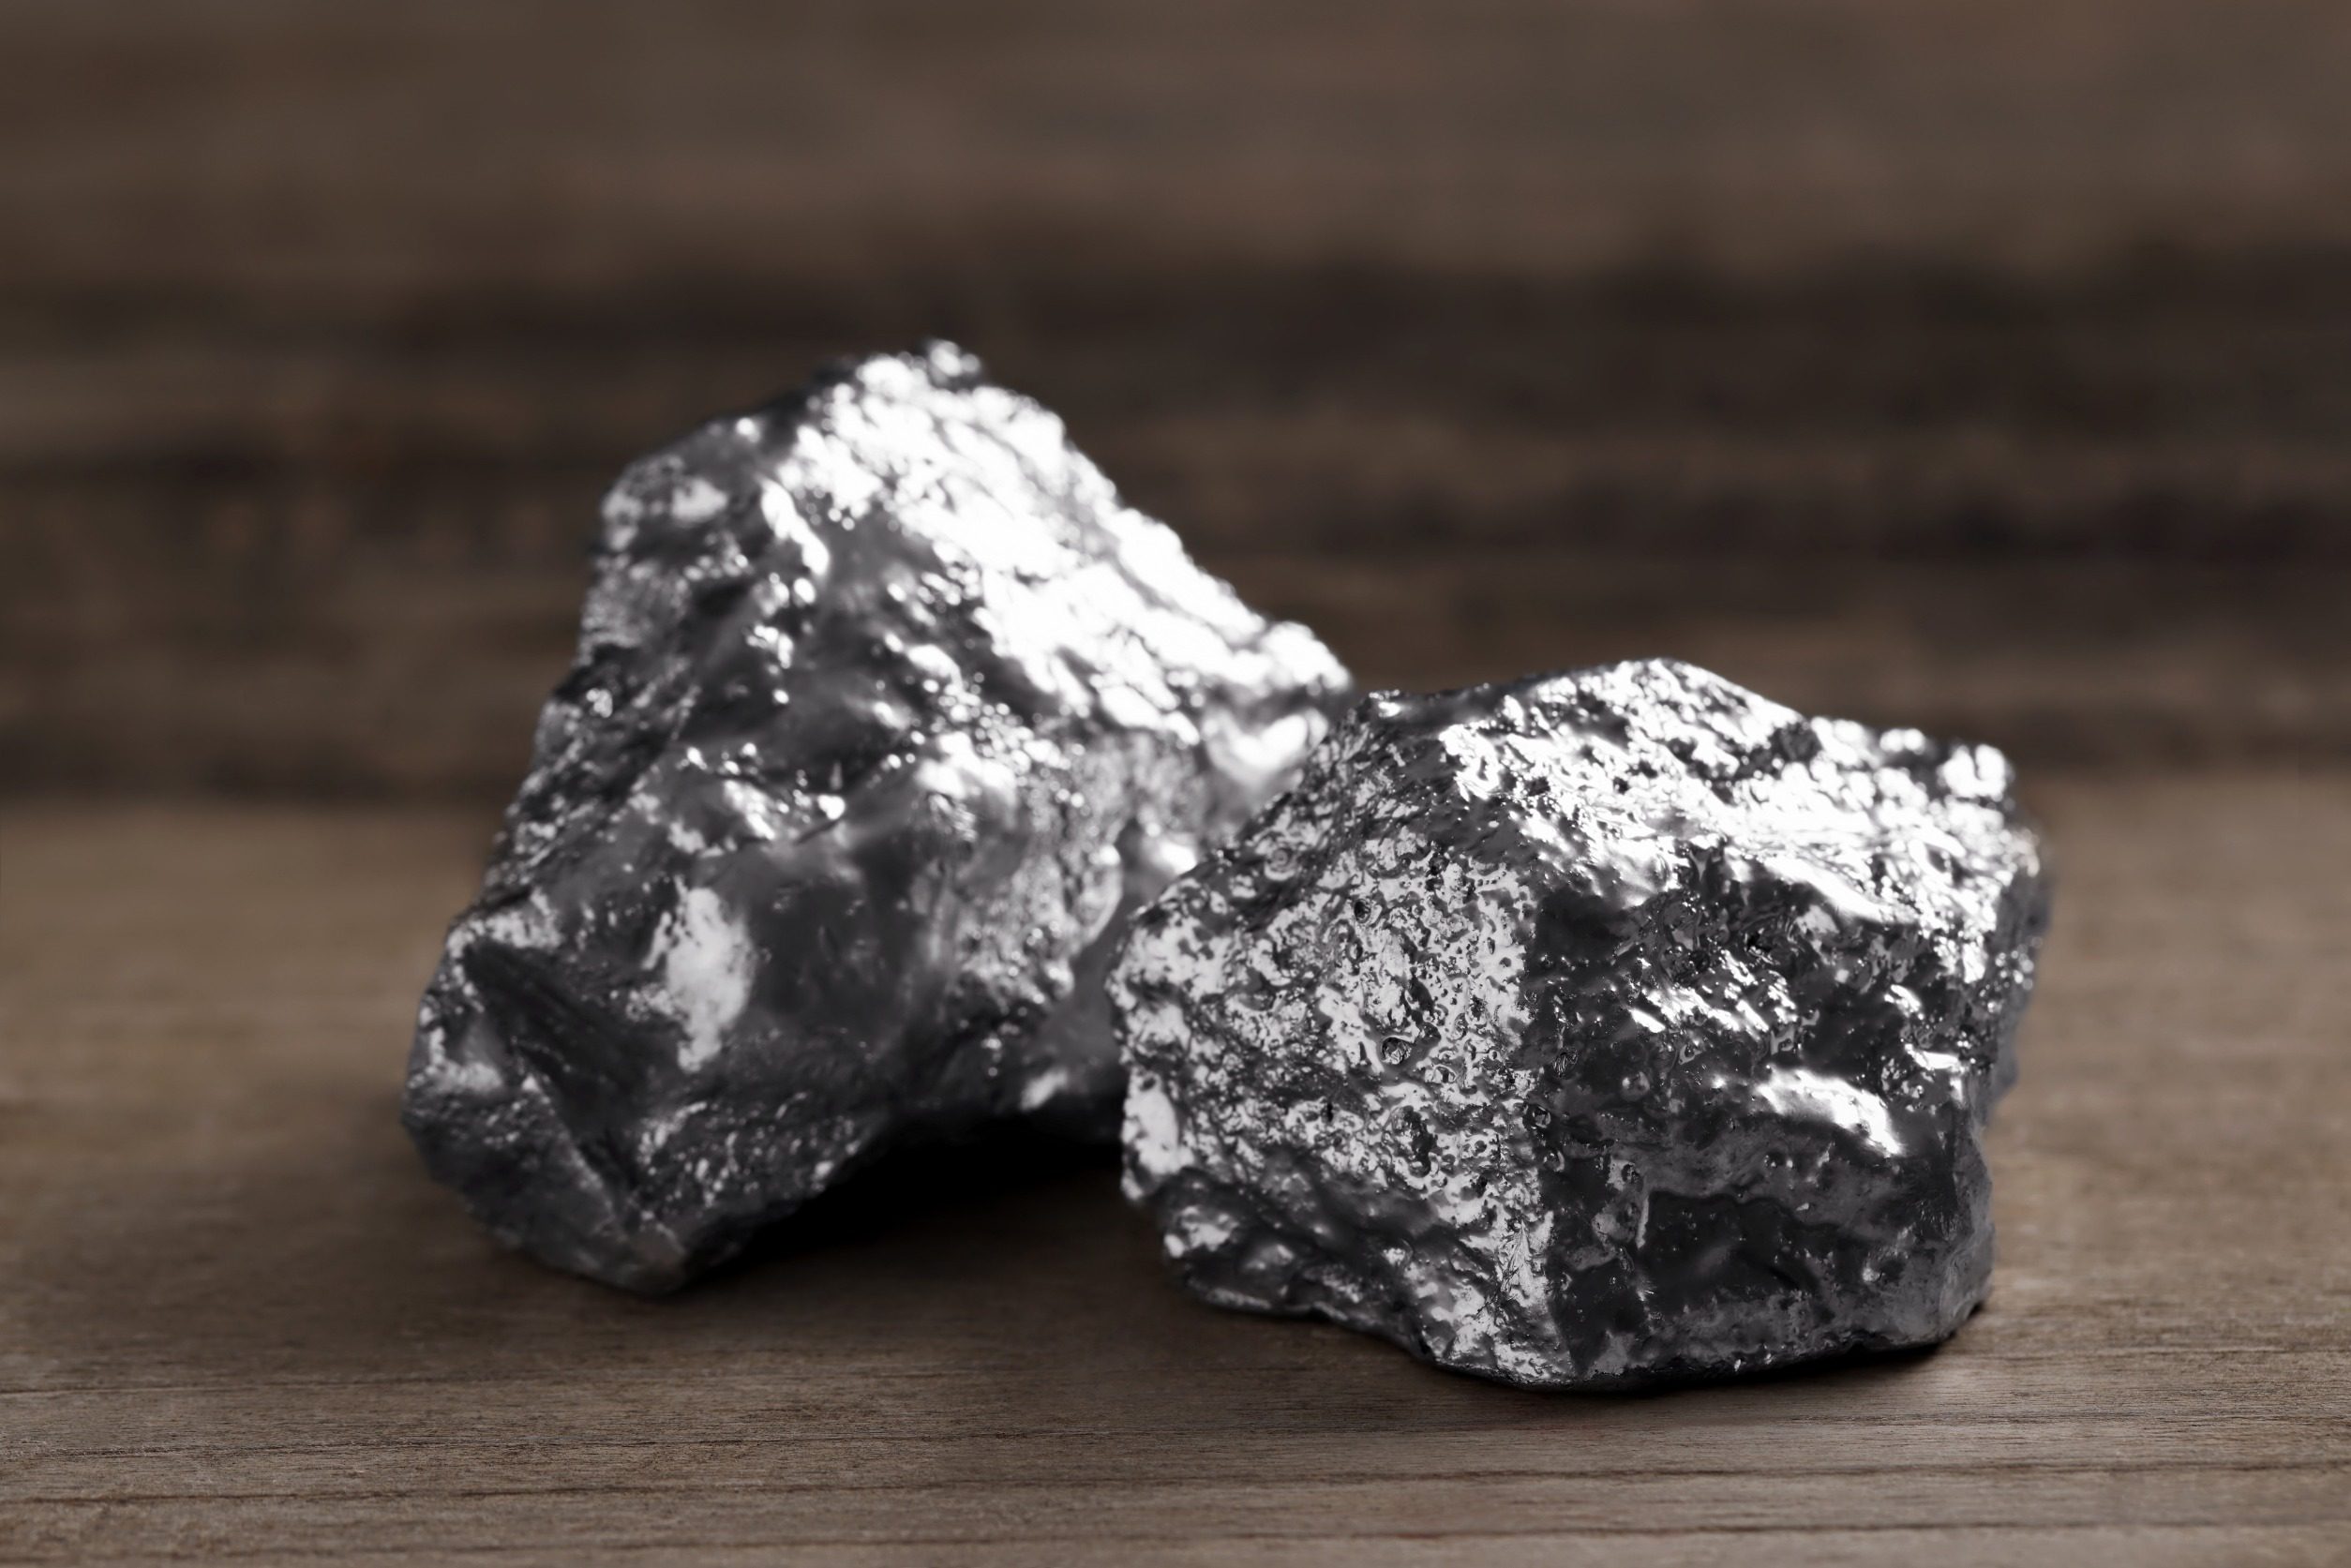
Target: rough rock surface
1593	1028
886	712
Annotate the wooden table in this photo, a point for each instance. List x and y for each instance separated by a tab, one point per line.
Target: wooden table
1977	366
236	1320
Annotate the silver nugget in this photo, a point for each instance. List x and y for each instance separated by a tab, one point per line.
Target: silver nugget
1594	1029
886	713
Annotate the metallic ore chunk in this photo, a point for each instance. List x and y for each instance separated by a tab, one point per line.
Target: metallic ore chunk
1603	1026
886	712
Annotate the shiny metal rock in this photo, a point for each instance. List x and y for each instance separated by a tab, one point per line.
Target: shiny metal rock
886	712
1593	1028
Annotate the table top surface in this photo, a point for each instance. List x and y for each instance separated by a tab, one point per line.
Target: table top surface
239	1321
1976	368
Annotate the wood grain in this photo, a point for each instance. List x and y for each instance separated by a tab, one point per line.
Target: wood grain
1843	343
2095	520
280	145
1965	363
239	1322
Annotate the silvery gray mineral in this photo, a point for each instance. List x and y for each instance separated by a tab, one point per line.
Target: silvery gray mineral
886	712
1592	1029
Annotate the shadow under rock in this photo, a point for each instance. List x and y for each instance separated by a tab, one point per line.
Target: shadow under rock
947	1187
316	1246
1002	1280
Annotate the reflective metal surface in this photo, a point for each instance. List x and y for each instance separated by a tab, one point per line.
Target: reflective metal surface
1598	1027
886	711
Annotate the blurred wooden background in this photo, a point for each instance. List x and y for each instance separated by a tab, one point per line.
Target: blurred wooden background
1981	364
1978	363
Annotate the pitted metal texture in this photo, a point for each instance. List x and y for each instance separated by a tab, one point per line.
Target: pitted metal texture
886	712
1592	1029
